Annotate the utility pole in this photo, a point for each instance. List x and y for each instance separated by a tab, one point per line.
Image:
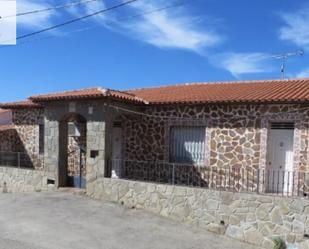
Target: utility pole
284	57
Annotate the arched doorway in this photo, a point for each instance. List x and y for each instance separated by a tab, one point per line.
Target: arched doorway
72	146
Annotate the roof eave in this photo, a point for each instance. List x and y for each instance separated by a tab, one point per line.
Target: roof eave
228	102
86	97
12	107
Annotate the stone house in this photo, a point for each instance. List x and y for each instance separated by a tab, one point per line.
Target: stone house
250	135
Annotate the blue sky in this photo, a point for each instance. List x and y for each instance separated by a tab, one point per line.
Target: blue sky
203	40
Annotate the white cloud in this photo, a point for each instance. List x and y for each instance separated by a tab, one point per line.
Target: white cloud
95	6
296	29
303	74
34	21
242	63
170	29
89	8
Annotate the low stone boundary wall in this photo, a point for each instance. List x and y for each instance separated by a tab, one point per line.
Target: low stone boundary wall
252	218
22	180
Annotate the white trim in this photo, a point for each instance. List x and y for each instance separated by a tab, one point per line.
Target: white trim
171	123
265	126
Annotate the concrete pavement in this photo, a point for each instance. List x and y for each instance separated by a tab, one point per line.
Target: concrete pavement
56	220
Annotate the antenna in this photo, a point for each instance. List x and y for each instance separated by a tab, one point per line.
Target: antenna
284	57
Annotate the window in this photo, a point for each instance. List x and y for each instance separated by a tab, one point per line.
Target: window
73	130
187	144
41	139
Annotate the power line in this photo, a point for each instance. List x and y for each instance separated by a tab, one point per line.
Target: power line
108	22
118	108
154	11
76	19
68	5
50	37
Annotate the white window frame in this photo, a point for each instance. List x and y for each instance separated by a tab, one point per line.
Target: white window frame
170	146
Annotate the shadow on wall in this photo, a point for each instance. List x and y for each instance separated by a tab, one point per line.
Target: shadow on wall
12	150
145	137
181	171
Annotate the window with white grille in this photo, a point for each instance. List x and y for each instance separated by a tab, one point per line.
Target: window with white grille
187	144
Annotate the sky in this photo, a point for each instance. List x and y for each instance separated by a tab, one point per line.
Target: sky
196	41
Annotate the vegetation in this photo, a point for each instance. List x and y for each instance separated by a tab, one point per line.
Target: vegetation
279	243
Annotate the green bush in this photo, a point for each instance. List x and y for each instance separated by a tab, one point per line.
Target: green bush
279	243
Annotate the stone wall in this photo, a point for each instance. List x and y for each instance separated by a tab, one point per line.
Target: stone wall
76	153
10	140
56	156
26	123
255	219
236	135
22	180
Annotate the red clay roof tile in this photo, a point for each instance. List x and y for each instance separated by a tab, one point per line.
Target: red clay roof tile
259	91
6	127
296	90
20	104
88	93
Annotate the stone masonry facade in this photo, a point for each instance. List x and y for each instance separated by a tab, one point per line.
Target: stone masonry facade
10	140
236	135
236	138
27	123
56	156
76	156
23	137
17	180
255	219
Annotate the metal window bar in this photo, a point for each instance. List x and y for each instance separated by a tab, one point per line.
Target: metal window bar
20	159
260	181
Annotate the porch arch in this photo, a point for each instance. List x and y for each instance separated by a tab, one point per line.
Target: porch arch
72	150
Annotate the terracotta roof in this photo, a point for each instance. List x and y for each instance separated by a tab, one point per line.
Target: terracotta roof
20	104
296	90
2	111
6	127
89	93
259	91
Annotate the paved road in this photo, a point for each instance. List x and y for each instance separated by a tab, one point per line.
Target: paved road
58	220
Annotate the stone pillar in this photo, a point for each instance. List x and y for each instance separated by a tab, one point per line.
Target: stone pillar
51	154
99	119
95	157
